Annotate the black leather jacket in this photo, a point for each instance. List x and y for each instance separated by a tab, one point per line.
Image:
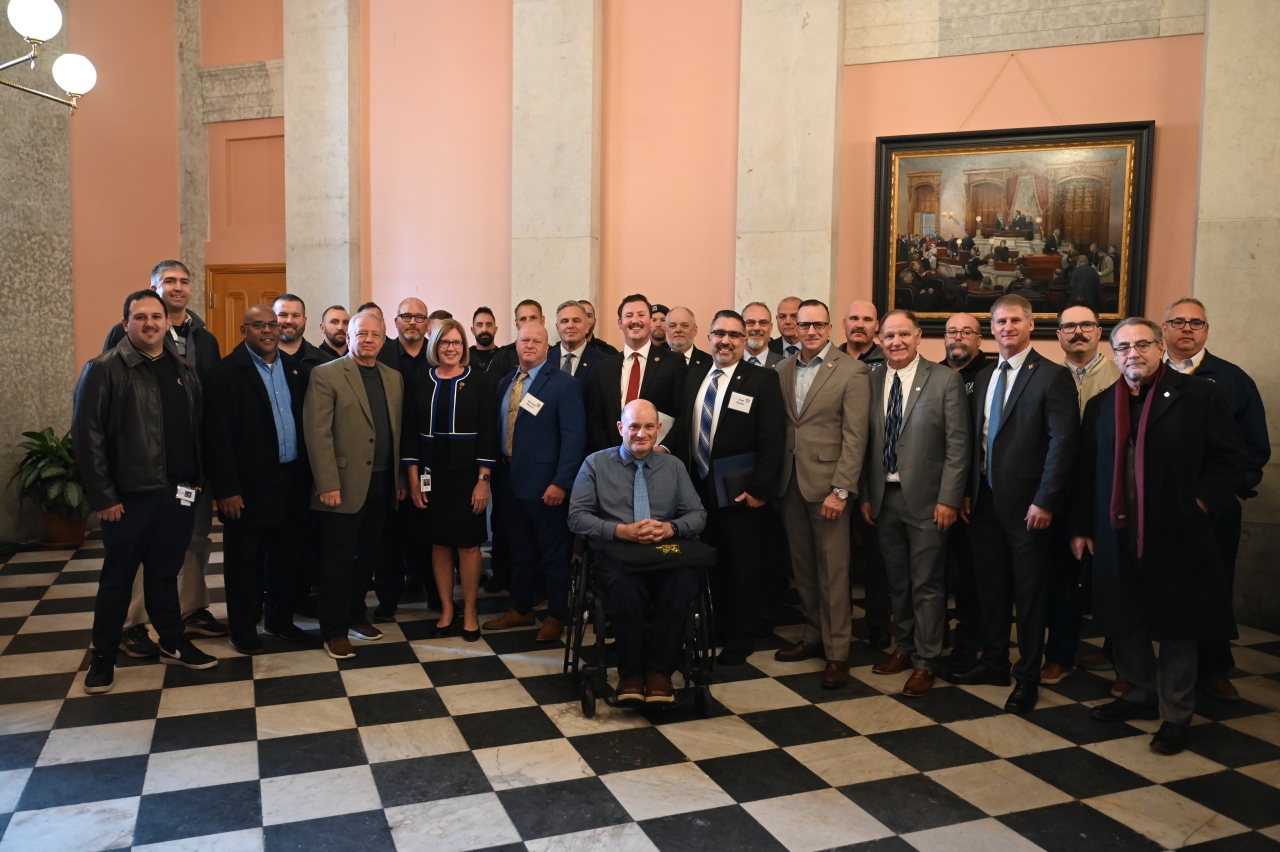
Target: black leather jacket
117	428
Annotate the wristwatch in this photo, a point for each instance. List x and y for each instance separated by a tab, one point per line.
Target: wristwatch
485	477
841	493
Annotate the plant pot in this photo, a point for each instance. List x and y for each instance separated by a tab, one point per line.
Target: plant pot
61	533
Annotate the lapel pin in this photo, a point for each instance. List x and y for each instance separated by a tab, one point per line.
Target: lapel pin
462	384
1166	393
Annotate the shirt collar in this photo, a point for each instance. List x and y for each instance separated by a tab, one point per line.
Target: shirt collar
817	359
627	458
533	372
643	350
909	368
261	363
1016	362
728	371
1191	363
1081	372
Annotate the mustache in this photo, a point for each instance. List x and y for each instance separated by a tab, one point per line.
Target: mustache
1078	338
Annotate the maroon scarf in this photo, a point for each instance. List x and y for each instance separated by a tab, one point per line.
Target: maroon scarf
1119	519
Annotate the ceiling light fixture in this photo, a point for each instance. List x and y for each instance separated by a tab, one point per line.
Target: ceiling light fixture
37	21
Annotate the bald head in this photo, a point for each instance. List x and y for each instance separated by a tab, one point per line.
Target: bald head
963	339
411	330
639	427
259	334
682	329
531	345
860	326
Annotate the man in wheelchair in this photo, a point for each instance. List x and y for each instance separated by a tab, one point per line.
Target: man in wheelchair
631	493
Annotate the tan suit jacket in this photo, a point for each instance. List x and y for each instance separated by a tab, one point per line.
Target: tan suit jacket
339	430
827	439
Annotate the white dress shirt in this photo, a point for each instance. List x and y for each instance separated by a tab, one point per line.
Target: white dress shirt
759	360
906	375
721	390
575	362
1015	364
1188	366
630	356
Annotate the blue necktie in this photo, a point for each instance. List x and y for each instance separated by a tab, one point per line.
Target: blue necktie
994	418
893	426
704	424
793	349
640	496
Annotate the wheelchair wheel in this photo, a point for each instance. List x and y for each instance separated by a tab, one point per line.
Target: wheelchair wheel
588	700
702	700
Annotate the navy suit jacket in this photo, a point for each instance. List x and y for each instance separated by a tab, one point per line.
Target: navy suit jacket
548	448
588	357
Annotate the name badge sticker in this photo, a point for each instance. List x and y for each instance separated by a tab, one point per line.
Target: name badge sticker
531	404
741	402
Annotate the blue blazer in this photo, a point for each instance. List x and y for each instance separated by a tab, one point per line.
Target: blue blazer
547	449
588	357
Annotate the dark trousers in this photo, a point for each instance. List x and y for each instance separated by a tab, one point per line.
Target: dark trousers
963	584
266	561
1215	654
408	553
875	578
1013	565
500	550
666	595
353	548
1066	598
155	529
541	547
775	572
737	534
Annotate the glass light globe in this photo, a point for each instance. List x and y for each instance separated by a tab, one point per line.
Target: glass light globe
74	74
39	20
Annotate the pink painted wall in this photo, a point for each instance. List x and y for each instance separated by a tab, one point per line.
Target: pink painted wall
439	114
246	192
1150	79
669	156
233	32
124	158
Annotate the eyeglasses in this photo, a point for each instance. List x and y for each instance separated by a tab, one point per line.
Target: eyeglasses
721	334
259	326
449	344
1180	323
966	333
757	323
1070	327
816	326
1142	346
418	318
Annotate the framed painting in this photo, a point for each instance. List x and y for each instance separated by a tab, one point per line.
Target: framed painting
1058	215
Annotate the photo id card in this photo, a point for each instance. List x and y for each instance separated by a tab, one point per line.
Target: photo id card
741	402
531	404
186	495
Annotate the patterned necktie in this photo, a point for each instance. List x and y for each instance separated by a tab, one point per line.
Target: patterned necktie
633	381
568	363
640	495
704	423
754	360
513	408
994	418
893	426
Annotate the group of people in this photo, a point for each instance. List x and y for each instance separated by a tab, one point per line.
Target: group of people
375	462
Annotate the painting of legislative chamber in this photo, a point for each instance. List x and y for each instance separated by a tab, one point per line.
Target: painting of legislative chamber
1056	215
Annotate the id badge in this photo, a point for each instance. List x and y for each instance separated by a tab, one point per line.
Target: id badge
186	495
531	404
424	483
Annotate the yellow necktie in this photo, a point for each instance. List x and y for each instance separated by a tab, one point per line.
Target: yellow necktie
513	408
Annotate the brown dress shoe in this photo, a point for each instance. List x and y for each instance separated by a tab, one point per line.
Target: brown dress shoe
897	662
366	631
797	652
658	688
919	684
1053	673
551	630
631	690
340	648
837	674
509	619
1221	688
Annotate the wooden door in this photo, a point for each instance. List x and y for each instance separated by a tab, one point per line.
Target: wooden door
1080	212
231	290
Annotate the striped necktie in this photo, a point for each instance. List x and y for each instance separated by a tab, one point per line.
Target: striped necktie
704	423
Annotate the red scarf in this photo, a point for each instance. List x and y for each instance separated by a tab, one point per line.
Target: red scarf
1119	518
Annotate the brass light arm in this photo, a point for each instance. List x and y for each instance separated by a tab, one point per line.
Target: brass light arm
71	102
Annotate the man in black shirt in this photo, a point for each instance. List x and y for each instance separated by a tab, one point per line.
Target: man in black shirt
135	431
291	313
333	325
484	328
592	340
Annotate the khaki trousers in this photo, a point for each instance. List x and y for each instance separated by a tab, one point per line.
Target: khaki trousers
820	559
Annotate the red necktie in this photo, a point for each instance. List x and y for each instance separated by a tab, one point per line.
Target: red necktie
633	381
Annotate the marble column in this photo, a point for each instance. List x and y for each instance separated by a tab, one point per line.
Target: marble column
322	150
789	122
1237	242
193	153
555	152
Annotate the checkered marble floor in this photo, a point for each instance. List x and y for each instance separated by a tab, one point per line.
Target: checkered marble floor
441	745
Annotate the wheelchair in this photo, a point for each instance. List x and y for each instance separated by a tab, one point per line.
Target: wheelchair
588	604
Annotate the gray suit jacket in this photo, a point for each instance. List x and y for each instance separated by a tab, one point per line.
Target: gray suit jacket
827	440
339	430
933	446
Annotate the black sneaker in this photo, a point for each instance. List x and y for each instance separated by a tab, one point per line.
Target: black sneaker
202	623
249	644
286	631
383	614
102	673
136	642
188	655
1171	738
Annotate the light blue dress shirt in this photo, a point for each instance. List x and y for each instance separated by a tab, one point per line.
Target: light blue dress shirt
281	405
805	374
504	404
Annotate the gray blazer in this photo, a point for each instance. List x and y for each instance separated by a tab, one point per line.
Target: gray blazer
827	440
339	430
933	447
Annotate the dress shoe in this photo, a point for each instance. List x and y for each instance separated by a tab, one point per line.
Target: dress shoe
837	674
658	688
340	648
897	662
960	660
1095	662
880	638
1221	688
977	675
289	631
439	631
1023	698
1171	738
1122	711
1053	673
367	632
631	690
731	655
509	619
919	684
798	652
1119	687
470	635
551	630
249	644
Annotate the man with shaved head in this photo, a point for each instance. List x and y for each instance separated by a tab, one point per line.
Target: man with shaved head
259	476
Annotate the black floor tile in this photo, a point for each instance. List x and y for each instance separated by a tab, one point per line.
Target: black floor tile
798	725
386	708
728	828
1231	747
552	688
911	803
21	751
228	670
862	654
884	844
10	626
309	753
68	577
294	688
197	812
930	748
1076	827
59	606
22	593
10	569
427	779
77	783
761	775
367	831
1083	685
418	629
383	653
46	687
1233	795
1072	722
733	674
1272	648
492	606
808	685
1251	842
950	704
470	670
519	642
563	807
1080	773
1218	711
56	640
620	751
198	730
108	708
506	727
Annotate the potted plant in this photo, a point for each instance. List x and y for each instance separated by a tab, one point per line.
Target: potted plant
49	477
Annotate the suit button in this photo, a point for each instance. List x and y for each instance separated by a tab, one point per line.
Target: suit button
369	463
370	440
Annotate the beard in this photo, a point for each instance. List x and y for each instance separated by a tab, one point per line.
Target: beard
484	338
958	354
288	335
757	344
